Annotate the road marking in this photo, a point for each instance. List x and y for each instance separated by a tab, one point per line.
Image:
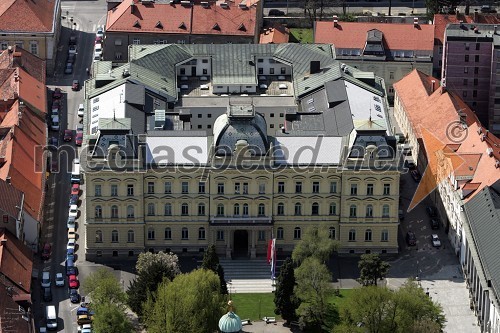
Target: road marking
94	27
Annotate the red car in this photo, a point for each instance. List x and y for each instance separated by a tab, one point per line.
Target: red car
75	189
76	85
98	40
56	104
68	135
47	251
57	94
73	282
79	138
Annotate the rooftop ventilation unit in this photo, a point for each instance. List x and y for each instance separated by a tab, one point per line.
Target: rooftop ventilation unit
224	5
204	4
126	73
159	119
243	5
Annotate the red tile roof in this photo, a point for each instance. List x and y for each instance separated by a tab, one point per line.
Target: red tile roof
18	57
178	19
276	34
397	36
10	197
32	92
16	260
27	16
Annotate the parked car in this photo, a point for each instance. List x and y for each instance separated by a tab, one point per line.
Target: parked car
75	189
84	319
45	280
434	224
71	224
69	68
57	94
487	9
47	294
70	254
435	240
71	58
73	282
74	296
46	251
73	200
431	211
79	127
72	49
411	239
71	233
85	328
98	40
72	39
76	85
68	135
79	139
99	32
59	280
71	244
71	269
415	175
56	104
276	12
73	211
80	112
53	141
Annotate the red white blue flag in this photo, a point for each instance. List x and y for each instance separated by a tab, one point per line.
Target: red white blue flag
271	256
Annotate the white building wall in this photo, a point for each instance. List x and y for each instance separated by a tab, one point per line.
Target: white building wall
31	229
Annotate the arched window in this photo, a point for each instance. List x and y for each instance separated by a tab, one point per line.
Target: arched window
151	209
352	235
279	233
262	210
130	236
368	235
114	236
98	236
331	233
201	233
168	233
298	209
369	211
185	233
297	233
184	209
281	209
385	211
220	210
98	212
245	209
315	208
130	211
151	233
236	210
333	208
168	209
114	212
352	211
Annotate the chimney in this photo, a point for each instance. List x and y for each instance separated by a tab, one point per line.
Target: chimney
415	22
335	21
132	5
476	14
314	67
433	85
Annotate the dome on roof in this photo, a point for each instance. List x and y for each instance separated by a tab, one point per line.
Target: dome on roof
230	323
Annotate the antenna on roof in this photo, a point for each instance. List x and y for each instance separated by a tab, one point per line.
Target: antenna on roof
370	119
114	114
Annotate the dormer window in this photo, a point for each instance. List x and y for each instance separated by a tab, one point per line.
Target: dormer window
159	25
374	43
216	27
137	24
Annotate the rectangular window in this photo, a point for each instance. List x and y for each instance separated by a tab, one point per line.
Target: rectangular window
168	209
271	70
118	42
237	188
136	41
204	61
391	75
151	187
185	187
476	82
201	209
369	189
279	233
478	46
476	58
315	188
262	188
245	188
261	70
465	82
168	187
298	187
281	209
333	209
34	47
333	187
354	189
201	187
97	190
467	45
220	235
168	233
220	188
387	189
466	69
281	187
184	209
114	190
476	70
130	190
151	209
474	93
283	70
262	235
466	58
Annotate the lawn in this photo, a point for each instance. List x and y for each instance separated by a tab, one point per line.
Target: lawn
256	306
298	35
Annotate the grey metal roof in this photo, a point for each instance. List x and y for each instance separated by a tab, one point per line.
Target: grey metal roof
483	215
134	93
115	124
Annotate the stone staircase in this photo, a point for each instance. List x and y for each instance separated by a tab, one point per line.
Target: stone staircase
248	276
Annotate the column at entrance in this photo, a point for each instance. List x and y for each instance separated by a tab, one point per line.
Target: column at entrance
253	250
228	243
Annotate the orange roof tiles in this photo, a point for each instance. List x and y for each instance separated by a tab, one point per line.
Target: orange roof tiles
32	92
276	34
16	260
27	16
397	36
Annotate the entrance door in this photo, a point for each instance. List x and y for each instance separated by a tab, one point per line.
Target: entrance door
240	243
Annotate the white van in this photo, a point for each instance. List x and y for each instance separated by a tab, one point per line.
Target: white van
55	123
51	317
80	110
75	173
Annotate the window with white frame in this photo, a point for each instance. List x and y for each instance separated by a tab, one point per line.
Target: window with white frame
98	212
114	236
114	212
151	209
151	187
201	209
130	236
168	209
34	47
297	233
333	208
352	235
368	235
245	209
352	211
220	235
167	233
130	211
151	233
385	211
331	233
184	209
262	210
220	210
281	209
333	187
98	236
279	233
185	233
168	187
201	233
136	41
384	236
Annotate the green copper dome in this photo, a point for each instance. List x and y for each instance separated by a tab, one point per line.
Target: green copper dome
230	323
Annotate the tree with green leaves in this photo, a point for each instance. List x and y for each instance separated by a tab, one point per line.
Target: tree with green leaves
190	303
110	318
104	287
378	309
313	290
284	298
316	242
211	262
152	269
372	268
